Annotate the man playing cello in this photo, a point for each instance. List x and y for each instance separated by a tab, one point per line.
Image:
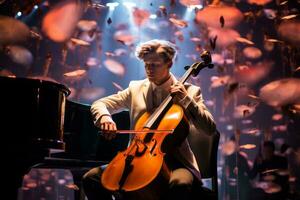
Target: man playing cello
145	95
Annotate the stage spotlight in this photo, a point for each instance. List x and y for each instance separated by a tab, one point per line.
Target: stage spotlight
129	5
19	14
193	7
112	6
153	16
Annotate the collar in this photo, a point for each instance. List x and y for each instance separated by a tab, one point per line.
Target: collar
166	85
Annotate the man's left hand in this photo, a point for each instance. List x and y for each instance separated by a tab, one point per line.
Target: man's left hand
178	91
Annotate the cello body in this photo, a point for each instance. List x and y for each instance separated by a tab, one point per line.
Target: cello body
141	162
139	165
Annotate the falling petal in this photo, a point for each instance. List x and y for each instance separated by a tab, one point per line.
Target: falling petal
195	39
80	42
252	52
253	97
252	131
225	37
192	56
295	108
289	17
279	128
277	117
189	3
270	13
289	30
252	74
281	92
259	2
60	22
269	178
61	181
210	103
120	52
115	67
87	25
20	55
110	54
35	33
13	31
179	23
292	179
140	16
229	61
124	37
283	3
248	146
92	62
211	14
242	111
217	59
273	40
76	73
31	185
119	87
228	148
219	81
72	186
244	40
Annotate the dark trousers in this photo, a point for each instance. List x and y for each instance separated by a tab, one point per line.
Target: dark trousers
178	187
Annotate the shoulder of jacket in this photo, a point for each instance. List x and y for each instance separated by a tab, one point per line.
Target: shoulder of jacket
138	83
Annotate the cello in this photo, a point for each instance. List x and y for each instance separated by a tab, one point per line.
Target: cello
138	165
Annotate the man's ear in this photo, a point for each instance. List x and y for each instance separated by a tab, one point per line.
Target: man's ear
170	64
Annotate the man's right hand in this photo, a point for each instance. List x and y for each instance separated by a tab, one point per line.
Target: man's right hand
108	127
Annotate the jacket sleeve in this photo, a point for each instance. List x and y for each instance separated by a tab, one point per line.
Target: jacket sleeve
197	112
111	104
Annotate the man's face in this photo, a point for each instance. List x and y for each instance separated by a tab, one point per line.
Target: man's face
157	70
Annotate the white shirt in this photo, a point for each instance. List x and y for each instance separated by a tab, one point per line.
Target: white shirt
160	92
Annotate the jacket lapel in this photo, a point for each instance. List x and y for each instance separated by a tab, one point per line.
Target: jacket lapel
147	95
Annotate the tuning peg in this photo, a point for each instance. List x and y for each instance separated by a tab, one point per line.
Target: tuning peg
206	57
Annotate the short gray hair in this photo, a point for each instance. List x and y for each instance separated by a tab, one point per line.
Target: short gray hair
163	48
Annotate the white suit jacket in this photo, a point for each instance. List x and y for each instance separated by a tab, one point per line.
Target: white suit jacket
137	98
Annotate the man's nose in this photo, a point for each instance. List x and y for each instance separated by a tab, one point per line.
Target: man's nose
150	67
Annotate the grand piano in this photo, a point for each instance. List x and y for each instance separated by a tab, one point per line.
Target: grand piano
41	128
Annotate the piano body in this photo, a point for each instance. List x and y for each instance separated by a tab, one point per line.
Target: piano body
41	128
